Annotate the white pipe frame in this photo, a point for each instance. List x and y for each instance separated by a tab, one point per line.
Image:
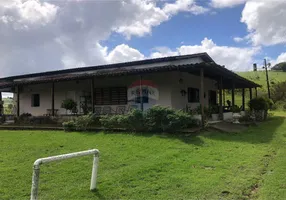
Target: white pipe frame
38	162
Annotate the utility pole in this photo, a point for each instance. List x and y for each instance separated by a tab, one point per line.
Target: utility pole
267	78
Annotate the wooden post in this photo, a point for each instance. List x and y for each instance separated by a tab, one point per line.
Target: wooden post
92	94
232	95
18	101
53	99
220	99
243	99
256	92
250	93
1	105
224	97
202	99
141	94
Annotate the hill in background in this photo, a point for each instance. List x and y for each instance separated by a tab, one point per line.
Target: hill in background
259	77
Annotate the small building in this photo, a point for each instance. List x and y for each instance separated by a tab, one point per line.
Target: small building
179	82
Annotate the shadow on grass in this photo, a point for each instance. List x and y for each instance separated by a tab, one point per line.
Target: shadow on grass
186	138
97	193
261	133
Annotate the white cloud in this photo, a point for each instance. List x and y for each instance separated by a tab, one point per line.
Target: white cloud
238	39
238	59
184	5
162	52
123	53
24	14
265	21
42	35
279	59
149	15
226	3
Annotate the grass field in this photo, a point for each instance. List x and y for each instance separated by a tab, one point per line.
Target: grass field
211	165
260	77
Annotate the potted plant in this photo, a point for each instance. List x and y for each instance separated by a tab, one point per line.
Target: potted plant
198	113
69	105
236	114
214	110
235	109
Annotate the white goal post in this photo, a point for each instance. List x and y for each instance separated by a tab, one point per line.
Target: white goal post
38	162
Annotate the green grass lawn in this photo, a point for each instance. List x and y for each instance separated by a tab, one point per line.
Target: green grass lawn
211	165
260	77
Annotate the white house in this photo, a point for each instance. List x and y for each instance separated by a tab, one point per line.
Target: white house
178	82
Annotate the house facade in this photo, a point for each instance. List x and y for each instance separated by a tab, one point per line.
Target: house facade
178	82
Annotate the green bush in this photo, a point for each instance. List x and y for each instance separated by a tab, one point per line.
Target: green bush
164	119
155	119
279	105
235	109
24	118
134	120
70	105
259	103
83	122
69	126
2	119
111	121
198	110
214	109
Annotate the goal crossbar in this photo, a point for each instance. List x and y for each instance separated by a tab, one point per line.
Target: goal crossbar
40	161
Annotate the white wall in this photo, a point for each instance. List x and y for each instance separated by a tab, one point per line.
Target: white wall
189	80
74	89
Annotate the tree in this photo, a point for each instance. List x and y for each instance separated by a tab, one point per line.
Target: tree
279	67
279	91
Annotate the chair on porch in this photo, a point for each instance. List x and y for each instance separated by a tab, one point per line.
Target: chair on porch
50	112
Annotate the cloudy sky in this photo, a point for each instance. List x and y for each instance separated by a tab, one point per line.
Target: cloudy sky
43	35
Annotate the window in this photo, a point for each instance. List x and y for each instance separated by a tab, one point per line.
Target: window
193	95
111	96
35	100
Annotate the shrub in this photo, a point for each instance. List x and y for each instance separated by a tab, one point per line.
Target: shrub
279	105
284	107
70	105
2	119
235	109
258	103
155	119
198	110
166	119
24	118
134	120
82	122
69	126
111	121
214	109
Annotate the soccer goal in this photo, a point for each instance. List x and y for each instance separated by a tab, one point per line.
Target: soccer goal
38	162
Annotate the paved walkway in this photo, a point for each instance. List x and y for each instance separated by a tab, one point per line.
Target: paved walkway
228	127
